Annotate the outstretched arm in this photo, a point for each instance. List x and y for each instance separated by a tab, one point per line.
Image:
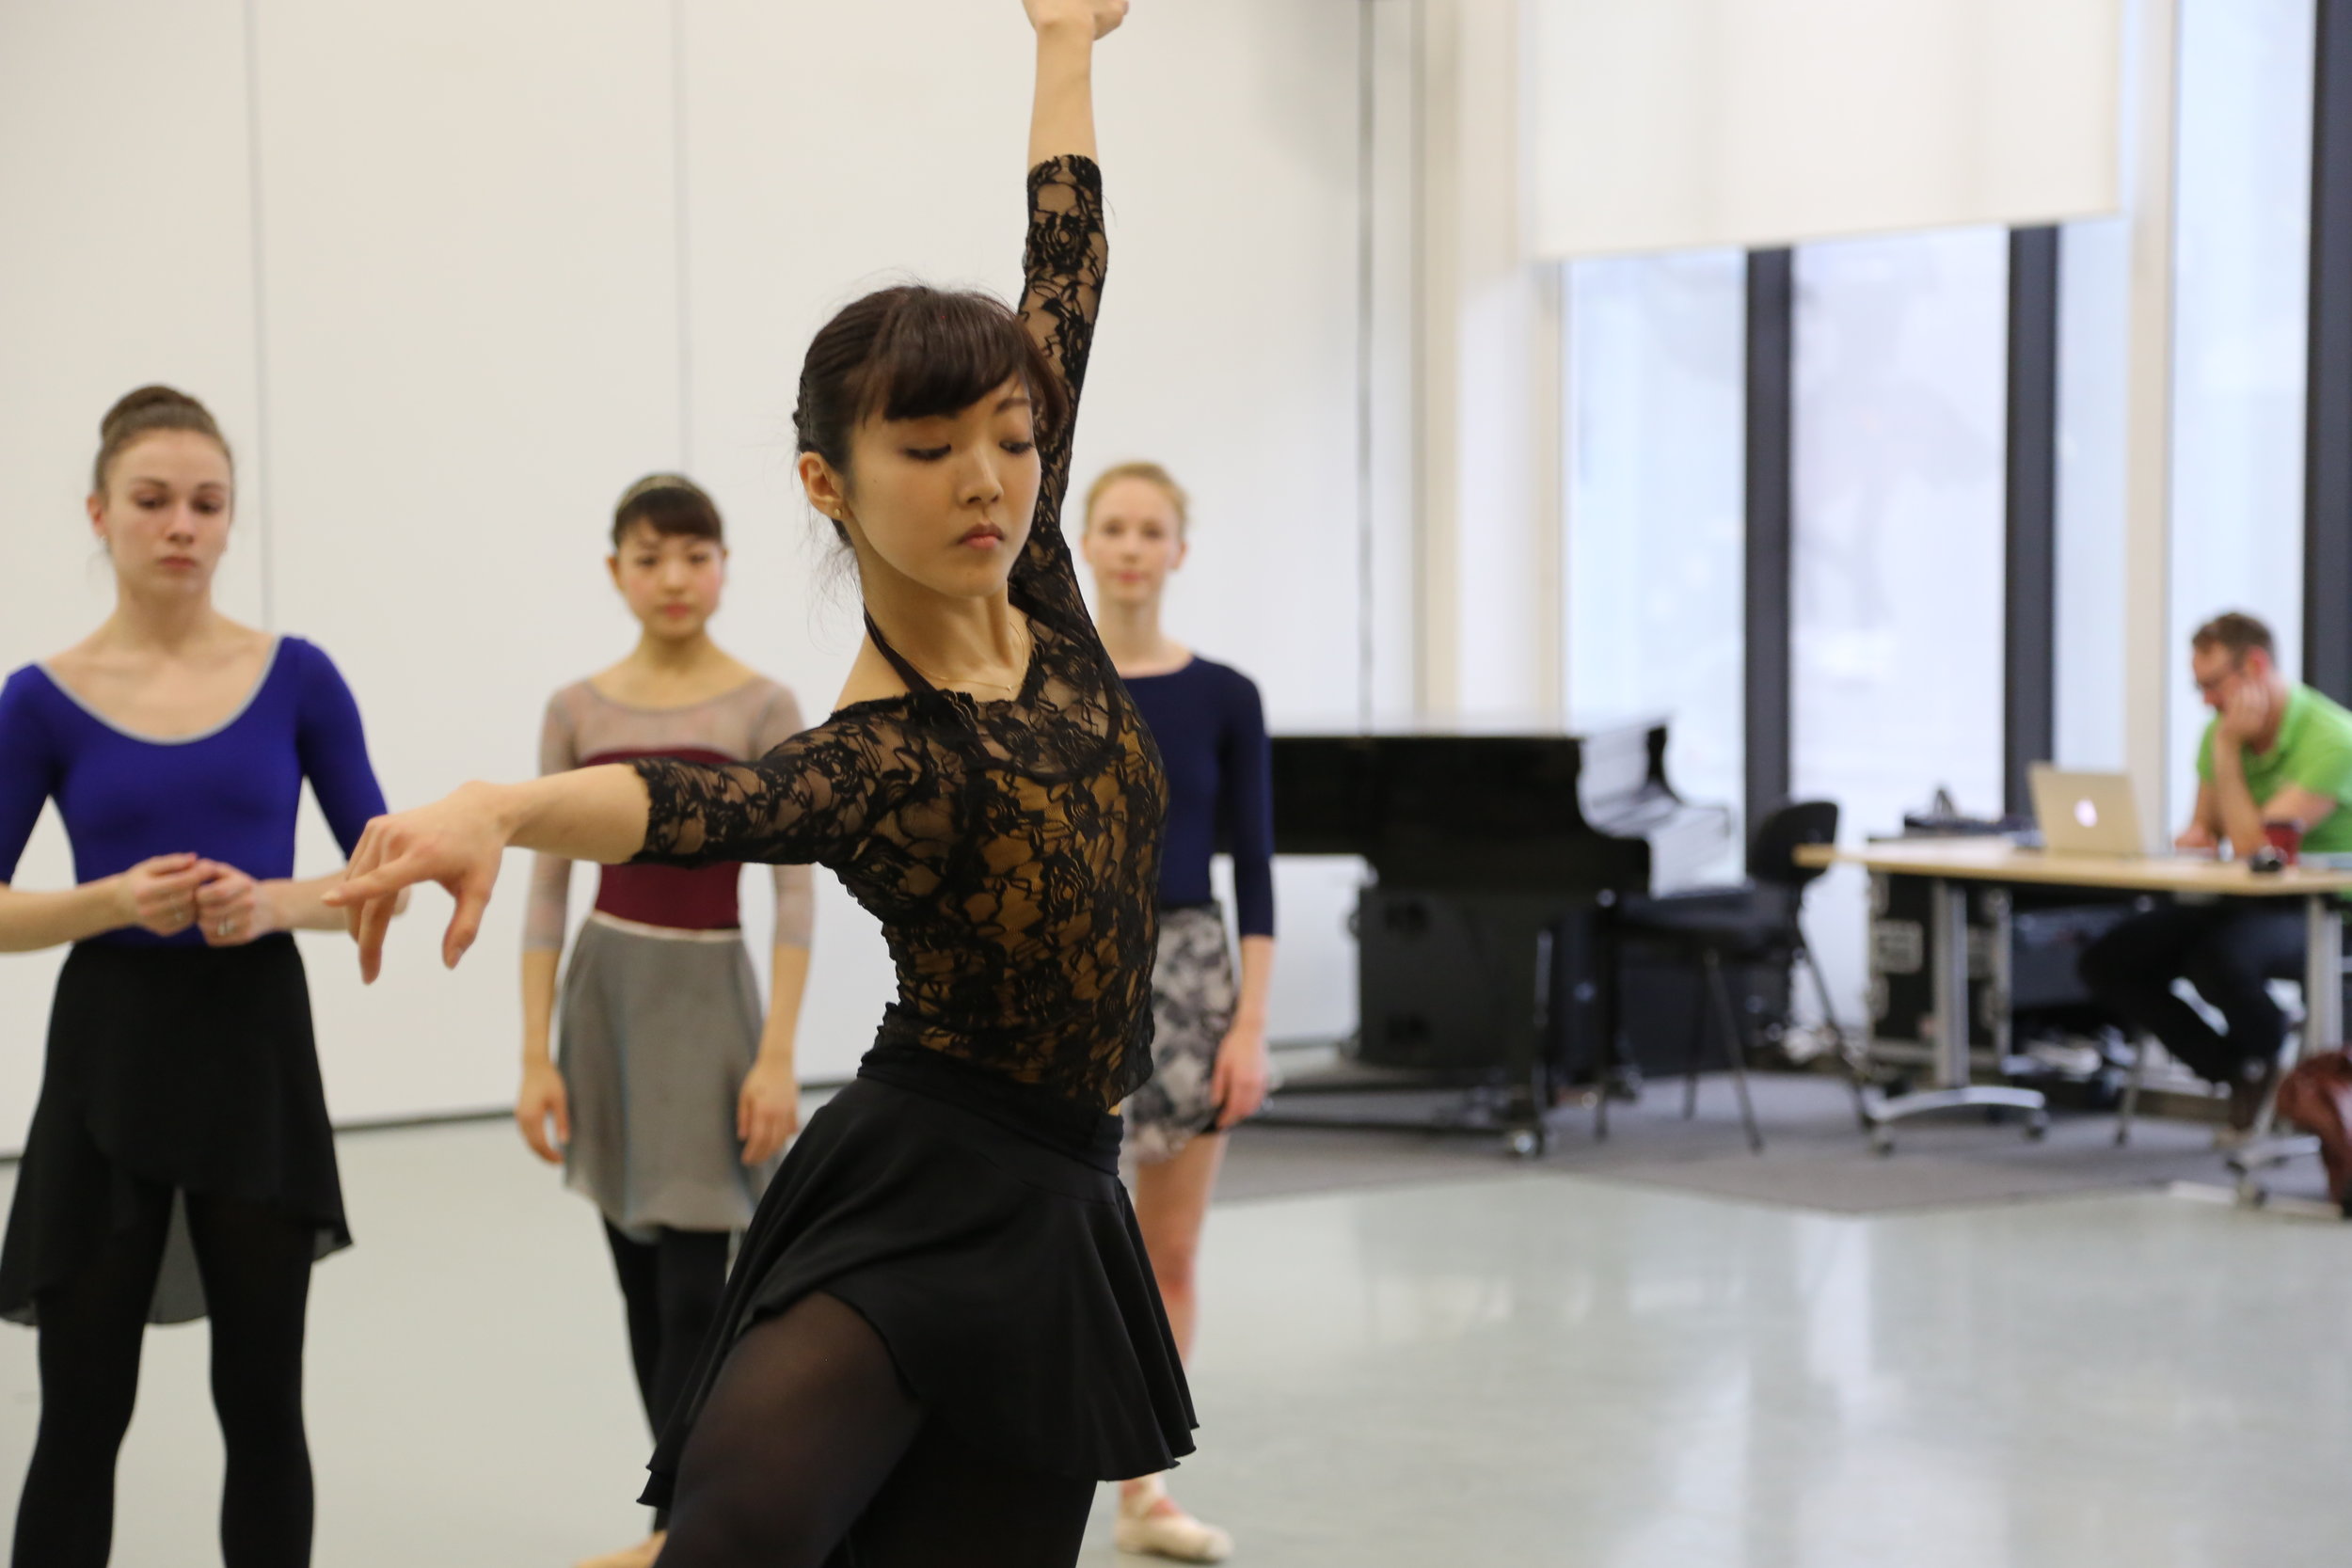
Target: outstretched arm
798	803
1062	123
593	814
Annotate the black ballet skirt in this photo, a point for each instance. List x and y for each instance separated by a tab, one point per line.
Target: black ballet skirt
993	1250
963	1195
188	1067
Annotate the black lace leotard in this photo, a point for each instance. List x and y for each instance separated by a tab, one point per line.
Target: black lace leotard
1010	850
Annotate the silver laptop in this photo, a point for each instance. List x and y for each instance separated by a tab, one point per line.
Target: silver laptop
2085	813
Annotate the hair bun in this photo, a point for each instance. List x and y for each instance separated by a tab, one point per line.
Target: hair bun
135	403
140	414
654	483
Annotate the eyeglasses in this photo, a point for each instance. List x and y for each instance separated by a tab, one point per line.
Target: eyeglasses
2220	683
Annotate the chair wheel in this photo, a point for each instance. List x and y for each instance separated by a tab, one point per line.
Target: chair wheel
1525	1143
2038	1127
1882	1141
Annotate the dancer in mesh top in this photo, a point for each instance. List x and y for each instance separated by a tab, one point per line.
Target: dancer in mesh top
942	1327
671	1098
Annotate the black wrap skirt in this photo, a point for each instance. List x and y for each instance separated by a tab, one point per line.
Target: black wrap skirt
994	1251
187	1067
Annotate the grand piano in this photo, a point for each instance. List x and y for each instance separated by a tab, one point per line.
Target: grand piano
1498	850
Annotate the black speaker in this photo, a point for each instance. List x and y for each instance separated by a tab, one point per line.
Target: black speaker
1425	1000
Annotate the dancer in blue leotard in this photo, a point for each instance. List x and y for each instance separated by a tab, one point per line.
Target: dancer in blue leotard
179	1162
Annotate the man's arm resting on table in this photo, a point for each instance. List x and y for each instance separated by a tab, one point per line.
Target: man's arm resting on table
2204	824
2243	818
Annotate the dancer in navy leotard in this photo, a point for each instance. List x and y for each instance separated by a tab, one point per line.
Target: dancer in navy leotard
179	1162
1209	1062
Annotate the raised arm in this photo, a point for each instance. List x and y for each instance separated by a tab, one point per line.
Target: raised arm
1062	123
1062	269
1063	261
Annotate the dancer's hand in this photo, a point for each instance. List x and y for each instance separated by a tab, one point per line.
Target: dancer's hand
1237	1084
233	909
456	842
767	1111
543	1104
1101	16
159	895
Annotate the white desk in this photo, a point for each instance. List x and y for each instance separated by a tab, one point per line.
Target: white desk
1951	865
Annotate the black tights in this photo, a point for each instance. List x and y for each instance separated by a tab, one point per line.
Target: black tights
811	1452
671	1286
255	1261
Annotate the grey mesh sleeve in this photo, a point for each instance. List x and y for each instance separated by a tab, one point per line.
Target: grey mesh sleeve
549	910
796	885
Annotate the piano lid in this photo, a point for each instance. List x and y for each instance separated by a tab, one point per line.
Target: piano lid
1502	726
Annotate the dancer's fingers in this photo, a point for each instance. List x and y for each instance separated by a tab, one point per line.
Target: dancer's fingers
1221	1089
472	893
383	882
365	857
375	919
767	1136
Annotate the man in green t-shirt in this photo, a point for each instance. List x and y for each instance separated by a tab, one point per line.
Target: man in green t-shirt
2274	752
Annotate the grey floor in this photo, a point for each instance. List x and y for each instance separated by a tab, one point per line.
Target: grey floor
1522	1365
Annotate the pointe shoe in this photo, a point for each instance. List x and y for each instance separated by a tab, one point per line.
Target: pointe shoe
644	1555
1168	1531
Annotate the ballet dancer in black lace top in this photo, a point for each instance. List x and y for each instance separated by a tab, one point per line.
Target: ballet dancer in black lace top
941	1329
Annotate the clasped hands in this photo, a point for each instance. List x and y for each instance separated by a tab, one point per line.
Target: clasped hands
168	893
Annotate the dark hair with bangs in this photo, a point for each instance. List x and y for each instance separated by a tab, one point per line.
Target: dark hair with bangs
671	505
912	353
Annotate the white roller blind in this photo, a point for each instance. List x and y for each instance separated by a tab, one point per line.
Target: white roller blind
1660	124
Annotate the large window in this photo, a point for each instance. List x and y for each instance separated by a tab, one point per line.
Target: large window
2243	215
2094	367
1902	388
1655	505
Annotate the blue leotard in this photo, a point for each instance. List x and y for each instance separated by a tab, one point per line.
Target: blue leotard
230	794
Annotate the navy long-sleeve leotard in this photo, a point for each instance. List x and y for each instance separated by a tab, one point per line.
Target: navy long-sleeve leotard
1210	727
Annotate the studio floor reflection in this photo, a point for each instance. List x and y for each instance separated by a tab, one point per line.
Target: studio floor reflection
1535	1369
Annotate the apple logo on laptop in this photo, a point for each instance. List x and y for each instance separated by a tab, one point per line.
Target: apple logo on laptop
2085	813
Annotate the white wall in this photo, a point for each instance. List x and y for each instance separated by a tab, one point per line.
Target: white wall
506	265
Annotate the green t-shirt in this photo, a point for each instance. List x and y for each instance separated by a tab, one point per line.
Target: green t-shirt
2314	749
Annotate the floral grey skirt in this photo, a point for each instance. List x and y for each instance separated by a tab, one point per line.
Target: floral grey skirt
1192	1006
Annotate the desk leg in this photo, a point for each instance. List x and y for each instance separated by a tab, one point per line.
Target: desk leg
2323	975
1948	959
2322	1030
1949	936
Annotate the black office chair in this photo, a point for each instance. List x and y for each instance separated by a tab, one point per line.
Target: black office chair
1758	923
